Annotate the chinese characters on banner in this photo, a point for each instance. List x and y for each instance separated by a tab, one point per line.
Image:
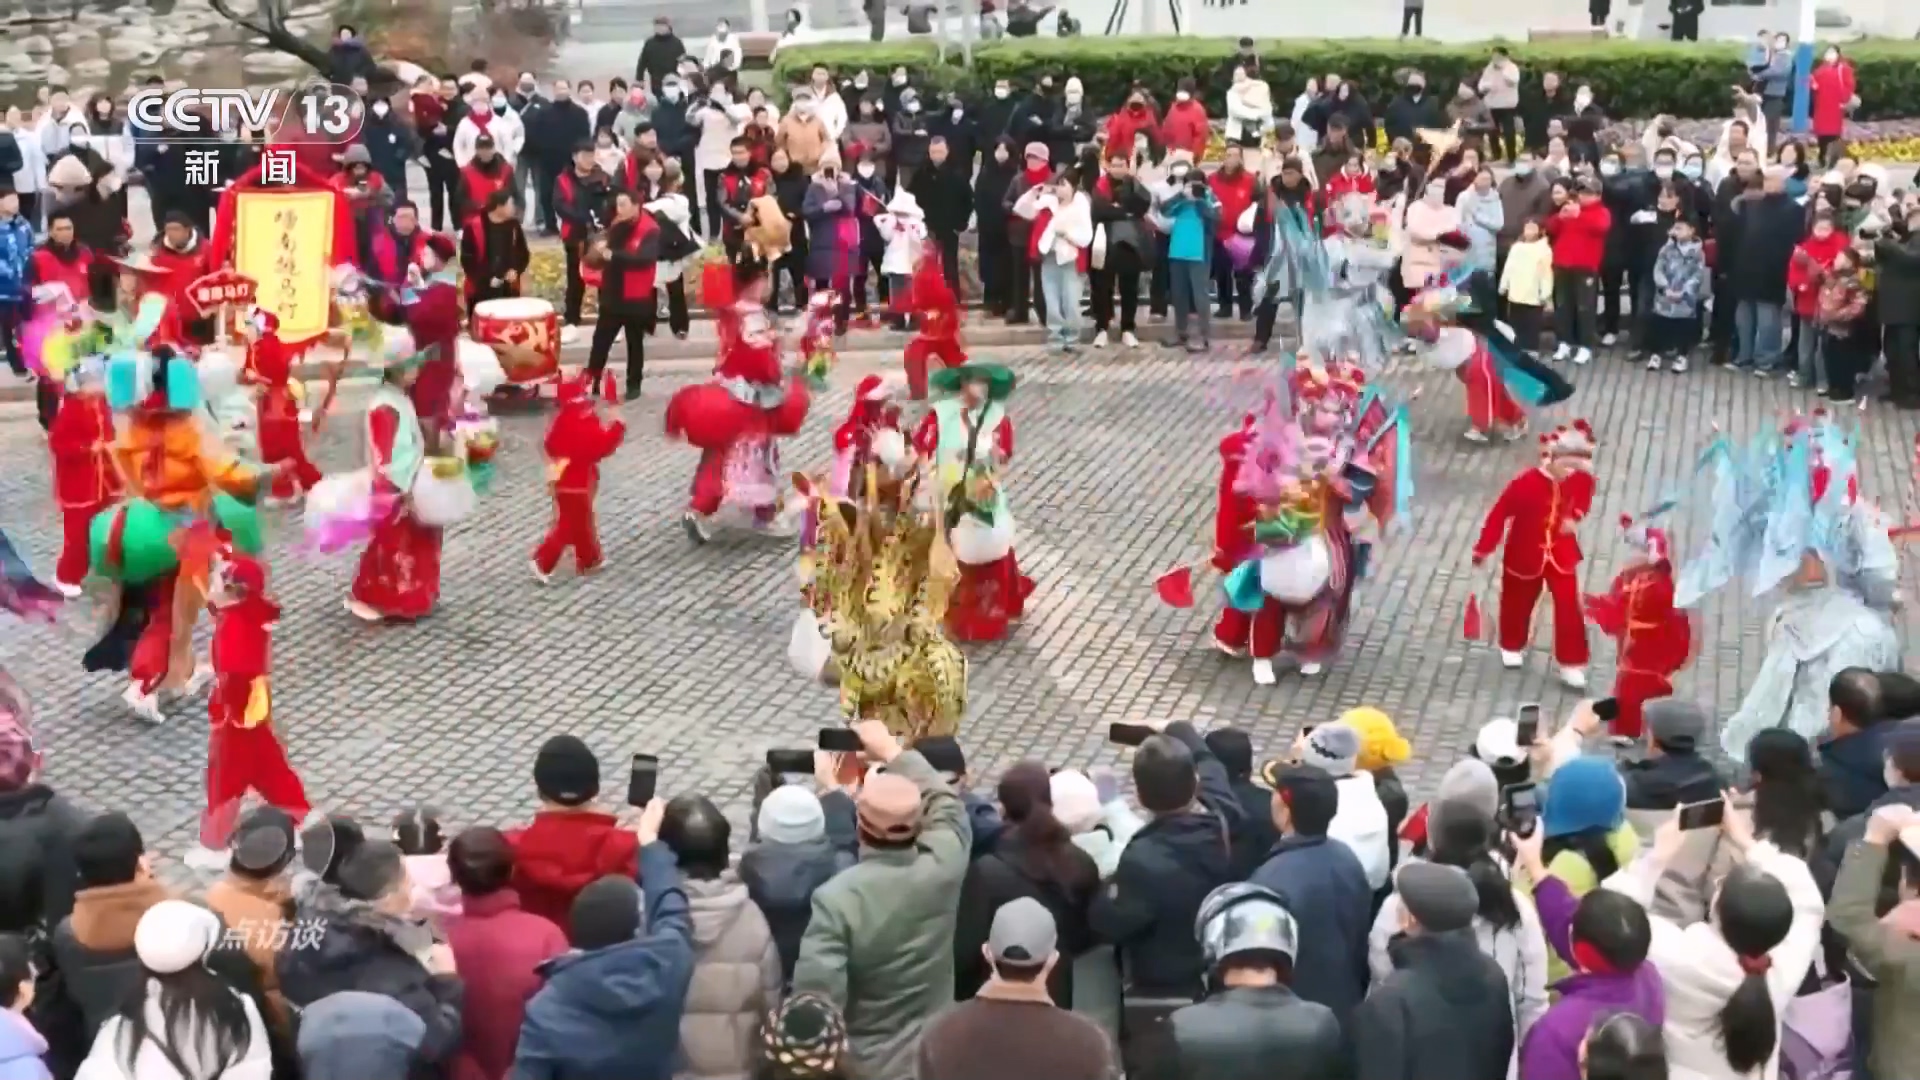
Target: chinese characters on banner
221	287
276	167
280	241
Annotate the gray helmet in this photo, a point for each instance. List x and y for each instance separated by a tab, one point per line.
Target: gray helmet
1242	918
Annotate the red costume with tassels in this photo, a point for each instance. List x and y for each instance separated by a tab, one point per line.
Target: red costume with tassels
433	319
1233	544
735	416
933	300
243	753
1655	639
85	481
270	366
1537	514
578	440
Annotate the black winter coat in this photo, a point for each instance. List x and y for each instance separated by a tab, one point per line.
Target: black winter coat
1007	873
1670	780
671	130
1147	909
358	950
37	828
781	879
658	57
945	197
962	136
1770	228
1405	115
390	145
990	193
1444	1014
1255	1033
1033	121
1898	289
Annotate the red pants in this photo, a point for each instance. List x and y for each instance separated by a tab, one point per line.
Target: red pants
162	654
924	348
1632	690
1518	596
75	529
241	760
1260	634
709	483
573	527
280	441
1489	405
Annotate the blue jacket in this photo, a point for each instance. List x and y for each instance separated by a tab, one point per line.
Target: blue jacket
1326	891
616	1011
1773	73
21	1049
1191	239
16	250
1853	771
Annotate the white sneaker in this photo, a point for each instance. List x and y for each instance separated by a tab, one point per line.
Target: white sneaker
1679	365
205	859
1263	673
1654	363
696	527
1511	660
1562	353
1127	339
145	707
1607	340
569	335
1585	354
539	575
1574	678
361	611
196	682
66	590
1225	649
1515	433
1475	435
1100	340
1312	668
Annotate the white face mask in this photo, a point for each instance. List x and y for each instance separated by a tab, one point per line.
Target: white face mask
958	112
1002	92
1074	96
899	78
1183	96
671	91
720	30
380	108
1609	168
1582	99
803	109
866	169
499	102
1435	195
652	172
1663	171
859	82
1178	173
912	106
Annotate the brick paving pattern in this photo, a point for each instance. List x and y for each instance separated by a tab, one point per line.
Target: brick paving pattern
681	651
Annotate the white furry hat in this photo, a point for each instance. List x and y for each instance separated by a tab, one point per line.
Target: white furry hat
1076	802
174	935
69	172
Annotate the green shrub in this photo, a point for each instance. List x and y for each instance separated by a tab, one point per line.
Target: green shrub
1629	78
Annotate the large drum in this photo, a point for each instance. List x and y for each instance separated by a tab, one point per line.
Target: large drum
525	332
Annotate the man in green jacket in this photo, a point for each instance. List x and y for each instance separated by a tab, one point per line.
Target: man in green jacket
880	943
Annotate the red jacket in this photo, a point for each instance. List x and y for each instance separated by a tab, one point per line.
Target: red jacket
1580	242
477	184
74	271
498	948
1235	194
1536	514
1638	612
578	440
1807	266
563	851
241	654
1185	127
1833	87
1233	513
80	441
1125	125
1340	185
183	269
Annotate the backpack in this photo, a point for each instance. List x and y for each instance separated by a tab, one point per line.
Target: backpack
675	244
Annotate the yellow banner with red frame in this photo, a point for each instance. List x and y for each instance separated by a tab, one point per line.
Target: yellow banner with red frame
282	241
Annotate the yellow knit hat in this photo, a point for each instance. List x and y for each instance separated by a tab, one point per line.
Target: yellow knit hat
1380	743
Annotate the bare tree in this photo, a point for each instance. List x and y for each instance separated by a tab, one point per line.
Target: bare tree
271	25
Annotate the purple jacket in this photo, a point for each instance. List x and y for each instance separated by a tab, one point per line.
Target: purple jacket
1551	1049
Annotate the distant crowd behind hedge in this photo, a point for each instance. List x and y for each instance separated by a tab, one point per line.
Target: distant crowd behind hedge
1629	78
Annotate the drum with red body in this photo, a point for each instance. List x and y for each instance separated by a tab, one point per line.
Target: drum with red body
525	332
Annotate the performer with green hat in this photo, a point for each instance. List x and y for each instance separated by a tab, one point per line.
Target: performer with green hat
965	442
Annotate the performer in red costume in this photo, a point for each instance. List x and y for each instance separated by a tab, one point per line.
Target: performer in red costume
1655	639
1539	514
578	440
399	572
933	300
243	753
871	435
85	480
735	416
433	318
270	366
1233	544
966	441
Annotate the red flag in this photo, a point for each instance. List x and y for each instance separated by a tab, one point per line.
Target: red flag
1473	628
1176	587
608	391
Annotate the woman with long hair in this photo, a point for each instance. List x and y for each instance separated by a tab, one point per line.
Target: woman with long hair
1506	926
1583	820
186	1023
1728	980
1035	856
1623	1047
1787	800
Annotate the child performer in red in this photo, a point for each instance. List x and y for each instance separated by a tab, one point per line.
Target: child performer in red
270	364
1538	513
242	751
578	440
932	299
1654	638
1233	518
85	480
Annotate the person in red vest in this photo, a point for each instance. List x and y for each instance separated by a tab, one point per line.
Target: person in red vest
63	261
368	196
578	440
1234	187
631	248
396	248
493	251
182	253
487	173
85	481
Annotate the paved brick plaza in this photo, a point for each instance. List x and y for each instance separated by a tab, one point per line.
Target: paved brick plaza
682	652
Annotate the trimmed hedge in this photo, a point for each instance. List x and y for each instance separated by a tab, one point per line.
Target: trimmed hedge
1629	78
